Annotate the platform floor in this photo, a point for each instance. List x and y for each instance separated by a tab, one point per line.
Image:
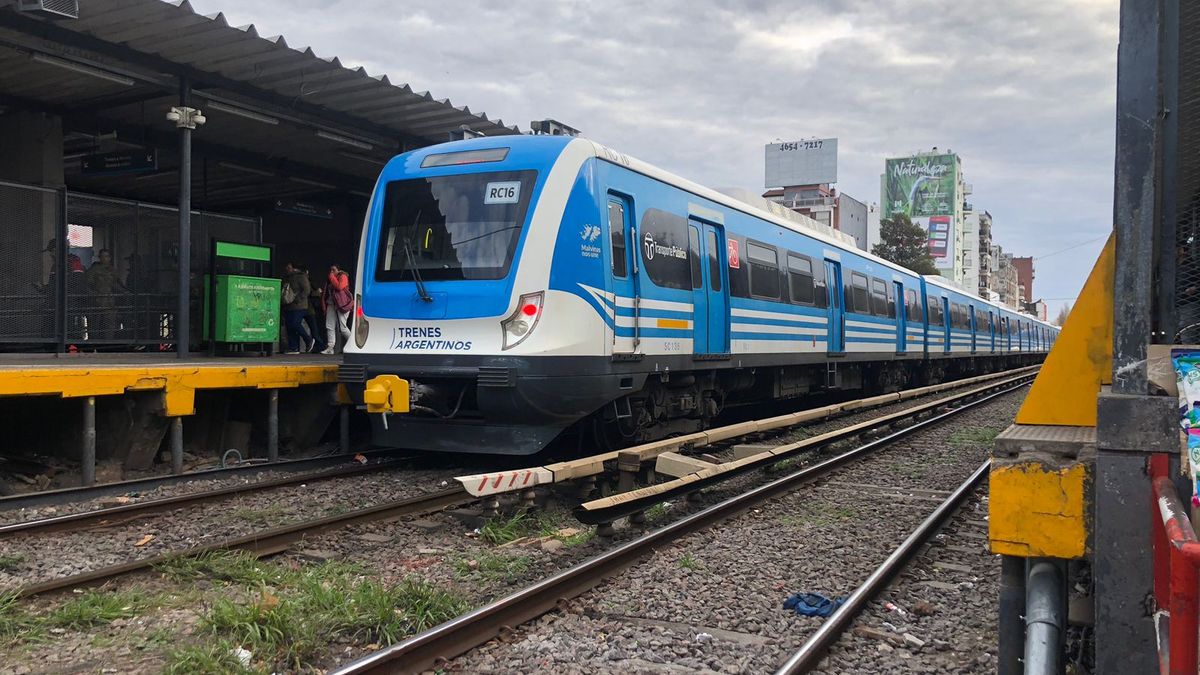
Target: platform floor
83	375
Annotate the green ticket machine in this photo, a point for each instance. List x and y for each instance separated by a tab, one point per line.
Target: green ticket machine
241	304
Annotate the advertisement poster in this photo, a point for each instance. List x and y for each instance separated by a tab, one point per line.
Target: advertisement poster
920	186
941	239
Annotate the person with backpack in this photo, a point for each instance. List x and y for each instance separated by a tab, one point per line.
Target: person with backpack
338	301
294	297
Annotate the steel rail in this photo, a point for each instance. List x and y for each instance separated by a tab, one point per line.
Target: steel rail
436	646
623	506
810	653
79	494
127	512
264	542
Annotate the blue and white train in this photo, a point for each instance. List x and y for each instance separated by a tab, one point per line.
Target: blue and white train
533	287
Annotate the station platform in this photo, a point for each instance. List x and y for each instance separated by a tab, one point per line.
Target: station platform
84	375
121	410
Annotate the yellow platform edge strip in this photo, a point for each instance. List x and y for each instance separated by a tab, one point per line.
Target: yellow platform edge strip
178	383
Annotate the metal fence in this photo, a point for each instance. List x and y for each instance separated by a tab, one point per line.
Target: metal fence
119	286
1181	176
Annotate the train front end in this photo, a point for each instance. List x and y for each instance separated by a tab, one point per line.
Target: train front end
453	296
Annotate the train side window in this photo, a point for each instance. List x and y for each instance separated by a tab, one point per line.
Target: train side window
820	290
891	295
663	246
616	233
800	277
764	271
694	256
861	296
912	306
878	297
714	261
739	277
935	312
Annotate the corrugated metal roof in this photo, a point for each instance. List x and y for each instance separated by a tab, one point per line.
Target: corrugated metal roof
174	32
281	120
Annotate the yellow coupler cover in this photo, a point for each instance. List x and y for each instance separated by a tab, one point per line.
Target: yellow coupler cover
1038	510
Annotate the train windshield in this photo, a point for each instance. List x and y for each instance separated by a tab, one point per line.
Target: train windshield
453	227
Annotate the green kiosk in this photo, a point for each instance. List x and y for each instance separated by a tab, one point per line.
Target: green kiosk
241	310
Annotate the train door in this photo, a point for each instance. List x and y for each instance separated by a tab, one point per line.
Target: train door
947	324
715	279
626	302
900	313
836	339
992	331
971	319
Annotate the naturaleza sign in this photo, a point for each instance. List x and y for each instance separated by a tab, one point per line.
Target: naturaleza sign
920	186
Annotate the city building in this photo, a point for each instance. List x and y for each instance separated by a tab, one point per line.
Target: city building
1005	279
800	175
1025	275
928	187
970	252
986	263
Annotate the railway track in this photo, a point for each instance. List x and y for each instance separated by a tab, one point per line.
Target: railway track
82	494
128	512
438	645
263	542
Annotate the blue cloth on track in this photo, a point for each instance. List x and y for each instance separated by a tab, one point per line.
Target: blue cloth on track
812	604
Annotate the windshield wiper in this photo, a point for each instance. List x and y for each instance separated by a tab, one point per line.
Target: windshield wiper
412	265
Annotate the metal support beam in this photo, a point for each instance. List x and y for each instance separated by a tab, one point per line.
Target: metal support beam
1012	609
88	443
273	425
177	445
1044	618
182	319
344	428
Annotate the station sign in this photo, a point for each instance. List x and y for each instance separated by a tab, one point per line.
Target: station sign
113	163
301	208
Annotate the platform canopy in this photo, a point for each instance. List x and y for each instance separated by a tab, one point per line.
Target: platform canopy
281	120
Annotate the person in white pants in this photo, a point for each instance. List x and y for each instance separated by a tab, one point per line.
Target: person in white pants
338	302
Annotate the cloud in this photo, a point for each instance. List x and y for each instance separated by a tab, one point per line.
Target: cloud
1023	90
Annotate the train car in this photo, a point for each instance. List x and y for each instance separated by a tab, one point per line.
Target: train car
538	287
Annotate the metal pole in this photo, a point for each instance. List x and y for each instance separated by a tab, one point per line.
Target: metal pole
88	459
273	425
1043	618
182	327
177	445
1012	609
61	246
344	428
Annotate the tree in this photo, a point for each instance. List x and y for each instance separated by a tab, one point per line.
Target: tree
1063	313
905	243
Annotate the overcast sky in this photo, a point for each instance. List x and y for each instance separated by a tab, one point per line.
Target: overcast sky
1022	90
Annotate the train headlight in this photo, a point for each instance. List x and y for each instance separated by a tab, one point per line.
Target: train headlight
361	326
518	325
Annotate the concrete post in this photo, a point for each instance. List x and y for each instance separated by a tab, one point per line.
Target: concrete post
88	454
177	445
273	425
344	429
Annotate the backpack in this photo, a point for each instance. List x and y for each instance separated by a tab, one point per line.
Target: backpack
343	300
288	295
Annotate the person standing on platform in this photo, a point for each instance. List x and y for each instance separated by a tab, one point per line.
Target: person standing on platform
314	316
294	294
103	284
338	302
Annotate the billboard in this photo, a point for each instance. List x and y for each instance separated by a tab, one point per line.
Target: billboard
809	162
925	185
941	239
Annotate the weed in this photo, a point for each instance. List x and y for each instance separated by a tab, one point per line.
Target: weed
309	608
577	539
493	566
962	437
783	465
239	567
658	511
500	530
14	620
8	562
211	658
264	516
95	608
688	562
821	517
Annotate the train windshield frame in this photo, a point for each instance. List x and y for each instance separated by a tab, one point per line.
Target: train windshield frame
459	227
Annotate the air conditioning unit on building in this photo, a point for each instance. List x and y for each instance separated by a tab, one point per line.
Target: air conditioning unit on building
51	9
